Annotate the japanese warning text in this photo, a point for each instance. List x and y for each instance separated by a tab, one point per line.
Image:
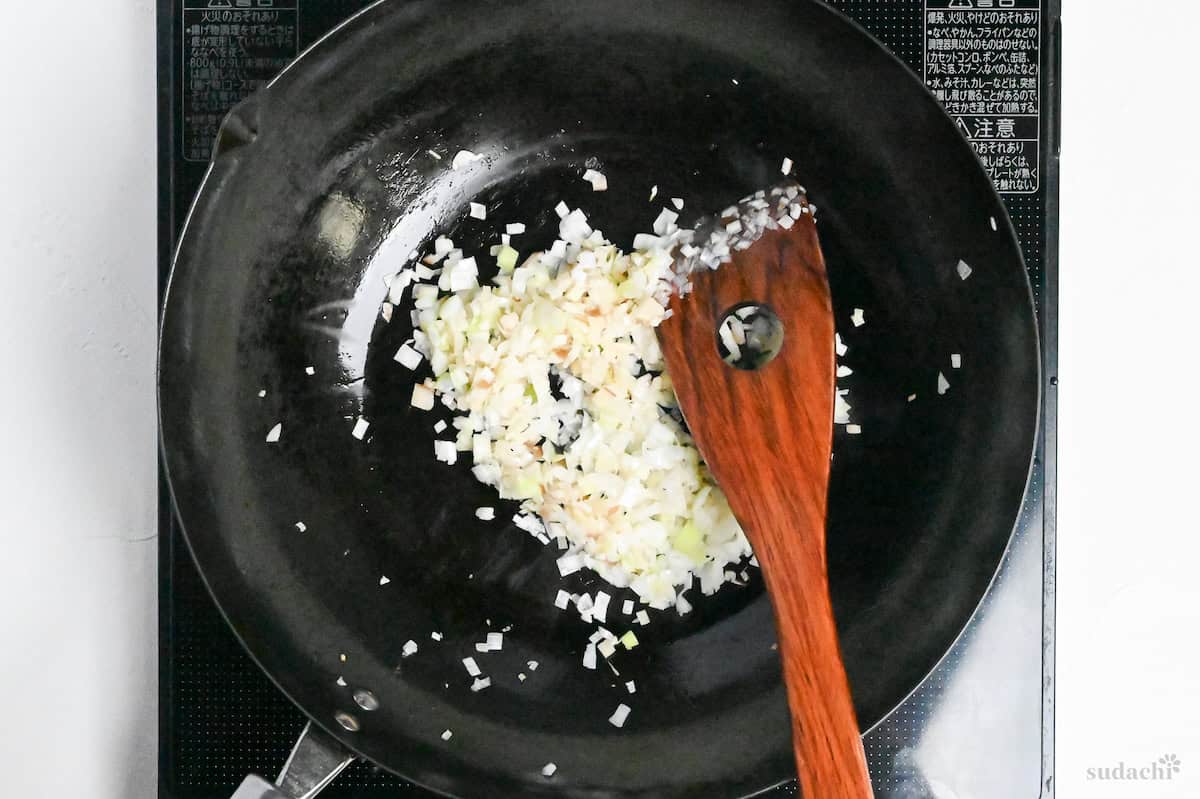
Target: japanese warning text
982	61
230	49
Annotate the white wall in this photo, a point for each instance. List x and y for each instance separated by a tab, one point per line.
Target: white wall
77	473
1129	549
78	673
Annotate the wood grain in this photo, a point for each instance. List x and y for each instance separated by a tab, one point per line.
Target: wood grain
767	436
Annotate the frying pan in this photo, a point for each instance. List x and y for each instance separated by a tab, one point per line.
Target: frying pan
323	183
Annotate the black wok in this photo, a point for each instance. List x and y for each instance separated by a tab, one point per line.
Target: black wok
322	184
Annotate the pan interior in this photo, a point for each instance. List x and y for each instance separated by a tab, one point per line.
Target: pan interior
331	188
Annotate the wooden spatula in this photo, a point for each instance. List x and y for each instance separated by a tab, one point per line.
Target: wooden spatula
766	435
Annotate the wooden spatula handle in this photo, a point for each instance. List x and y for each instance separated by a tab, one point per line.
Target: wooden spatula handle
767	436
829	752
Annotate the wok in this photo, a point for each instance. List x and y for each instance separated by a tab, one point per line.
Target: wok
323	183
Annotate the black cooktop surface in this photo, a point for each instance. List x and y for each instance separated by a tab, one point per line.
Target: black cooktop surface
221	718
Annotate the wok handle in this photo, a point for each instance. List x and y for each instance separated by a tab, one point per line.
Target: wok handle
255	787
314	762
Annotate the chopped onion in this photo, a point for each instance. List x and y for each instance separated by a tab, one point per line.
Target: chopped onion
514	228
407	357
597	179
730	342
787	166
462	275
447	735
532	665
478	211
402	280
485	514
472	667
464	158
439	426
495	641
600	609
956	361
854	429
549	769
481	683
665	224
844	371
943	385
507	258
409	649
436	636
301	526
310	371
589	657
618	718
629	640
274	433
446	452
528	522
422	398
573	229
841	408
554	372
360	428
435	155
964	270
631	687
563	600
384	580
992	221
569	564
677	202
653	192
627	607
859	318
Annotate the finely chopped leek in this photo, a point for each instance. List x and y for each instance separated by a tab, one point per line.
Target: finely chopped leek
556	374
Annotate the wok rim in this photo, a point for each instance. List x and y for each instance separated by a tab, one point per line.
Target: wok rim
204	196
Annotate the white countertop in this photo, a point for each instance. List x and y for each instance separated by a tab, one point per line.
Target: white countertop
78	667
